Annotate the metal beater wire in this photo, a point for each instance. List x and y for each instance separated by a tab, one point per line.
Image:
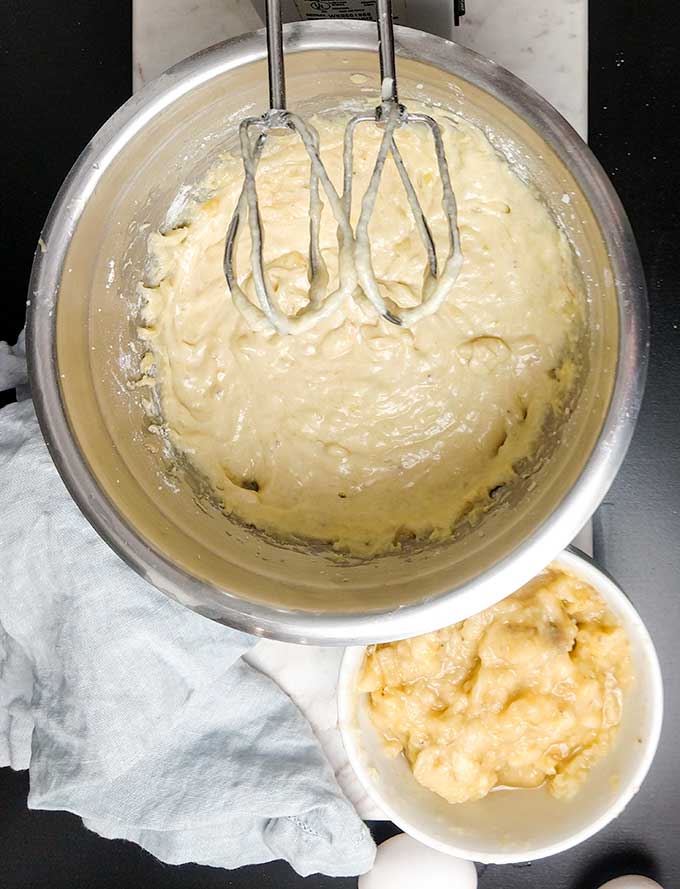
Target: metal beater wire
355	266
253	133
391	115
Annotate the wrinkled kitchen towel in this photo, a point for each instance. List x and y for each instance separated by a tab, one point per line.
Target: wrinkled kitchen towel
133	712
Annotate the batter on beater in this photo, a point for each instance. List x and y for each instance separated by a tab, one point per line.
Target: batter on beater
358	433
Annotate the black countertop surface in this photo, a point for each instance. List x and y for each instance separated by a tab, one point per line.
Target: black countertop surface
65	69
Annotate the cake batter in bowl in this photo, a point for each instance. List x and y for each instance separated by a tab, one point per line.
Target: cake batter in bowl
145	172
356	433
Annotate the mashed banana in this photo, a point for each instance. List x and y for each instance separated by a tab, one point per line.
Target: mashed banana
525	693
358	433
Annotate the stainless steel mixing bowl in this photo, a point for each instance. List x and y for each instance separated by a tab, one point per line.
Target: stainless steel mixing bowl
82	325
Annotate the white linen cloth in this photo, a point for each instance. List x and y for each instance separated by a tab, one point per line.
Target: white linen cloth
135	713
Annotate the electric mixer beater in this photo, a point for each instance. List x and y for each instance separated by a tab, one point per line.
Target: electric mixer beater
355	272
253	133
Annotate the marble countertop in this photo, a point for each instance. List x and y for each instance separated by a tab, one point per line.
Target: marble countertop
546	44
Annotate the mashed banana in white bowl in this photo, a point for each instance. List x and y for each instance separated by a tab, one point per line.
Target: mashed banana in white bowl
516	733
359	434
529	692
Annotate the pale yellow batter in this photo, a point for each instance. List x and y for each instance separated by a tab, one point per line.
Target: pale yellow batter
358	433
529	691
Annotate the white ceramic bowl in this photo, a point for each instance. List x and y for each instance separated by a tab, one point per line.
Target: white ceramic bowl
516	825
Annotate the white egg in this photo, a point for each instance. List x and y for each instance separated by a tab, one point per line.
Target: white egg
631	882
404	863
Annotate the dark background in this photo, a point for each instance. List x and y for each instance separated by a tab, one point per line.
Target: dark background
65	67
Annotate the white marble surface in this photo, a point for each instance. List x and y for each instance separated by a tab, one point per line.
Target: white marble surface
544	43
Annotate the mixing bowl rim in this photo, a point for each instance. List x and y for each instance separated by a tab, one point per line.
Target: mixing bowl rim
310	626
